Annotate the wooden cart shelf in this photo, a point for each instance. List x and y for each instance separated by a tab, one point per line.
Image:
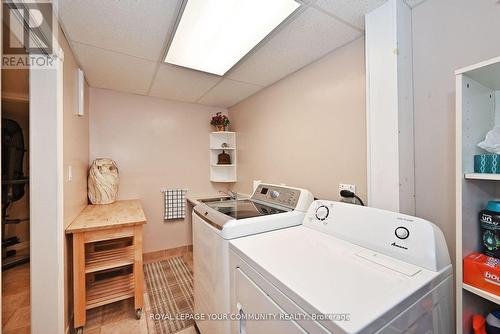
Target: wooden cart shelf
109	259
110	290
99	250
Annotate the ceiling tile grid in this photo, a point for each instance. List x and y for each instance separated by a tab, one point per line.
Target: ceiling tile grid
229	92
138	28
350	11
354	12
182	84
311	35
120	45
111	70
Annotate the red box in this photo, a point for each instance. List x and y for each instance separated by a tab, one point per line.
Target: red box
482	272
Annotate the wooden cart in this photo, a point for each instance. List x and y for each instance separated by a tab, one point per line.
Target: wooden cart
107	257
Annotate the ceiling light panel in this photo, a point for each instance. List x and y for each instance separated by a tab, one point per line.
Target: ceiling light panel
213	35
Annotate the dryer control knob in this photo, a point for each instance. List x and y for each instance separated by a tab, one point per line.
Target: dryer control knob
322	212
402	232
274	194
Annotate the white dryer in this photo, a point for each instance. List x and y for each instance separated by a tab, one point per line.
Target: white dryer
270	207
347	269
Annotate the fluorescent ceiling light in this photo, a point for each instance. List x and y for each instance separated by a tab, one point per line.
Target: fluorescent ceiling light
213	35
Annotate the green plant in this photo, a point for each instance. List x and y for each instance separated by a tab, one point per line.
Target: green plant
219	120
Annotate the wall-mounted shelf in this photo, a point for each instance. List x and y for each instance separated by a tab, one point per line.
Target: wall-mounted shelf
484	294
477	112
223	180
481	176
222	173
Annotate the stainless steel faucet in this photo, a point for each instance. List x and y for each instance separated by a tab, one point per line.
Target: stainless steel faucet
230	193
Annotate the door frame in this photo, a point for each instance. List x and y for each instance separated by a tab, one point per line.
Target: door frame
47	264
46	199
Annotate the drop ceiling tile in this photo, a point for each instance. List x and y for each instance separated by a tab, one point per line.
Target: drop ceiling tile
107	69
229	92
354	12
350	11
136	27
182	84
309	36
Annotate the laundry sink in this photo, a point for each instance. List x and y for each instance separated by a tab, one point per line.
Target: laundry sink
216	199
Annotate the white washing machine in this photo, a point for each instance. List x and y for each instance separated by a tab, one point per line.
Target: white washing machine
270	207
347	269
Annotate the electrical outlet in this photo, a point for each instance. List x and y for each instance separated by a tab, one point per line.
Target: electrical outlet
350	187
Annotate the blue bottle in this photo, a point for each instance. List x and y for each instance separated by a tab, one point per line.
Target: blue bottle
490	229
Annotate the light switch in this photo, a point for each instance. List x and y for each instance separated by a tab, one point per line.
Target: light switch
70	173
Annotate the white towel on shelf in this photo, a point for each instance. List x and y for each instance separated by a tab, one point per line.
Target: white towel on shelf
175	203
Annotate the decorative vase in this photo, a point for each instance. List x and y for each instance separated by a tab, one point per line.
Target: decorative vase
103	181
221	128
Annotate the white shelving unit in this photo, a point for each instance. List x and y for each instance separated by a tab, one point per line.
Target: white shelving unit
480	176
222	173
478	111
484	294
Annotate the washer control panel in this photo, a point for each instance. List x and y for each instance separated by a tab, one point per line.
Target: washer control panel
279	195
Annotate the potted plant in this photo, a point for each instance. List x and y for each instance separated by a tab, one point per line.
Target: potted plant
220	121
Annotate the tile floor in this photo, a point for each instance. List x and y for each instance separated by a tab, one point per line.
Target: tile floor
16	300
119	317
114	318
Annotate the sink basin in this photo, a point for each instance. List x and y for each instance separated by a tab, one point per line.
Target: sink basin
216	199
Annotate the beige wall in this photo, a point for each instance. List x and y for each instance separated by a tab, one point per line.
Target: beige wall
156	144
75	154
447	35
309	129
76	141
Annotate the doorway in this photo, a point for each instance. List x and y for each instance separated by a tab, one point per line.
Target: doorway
15	202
